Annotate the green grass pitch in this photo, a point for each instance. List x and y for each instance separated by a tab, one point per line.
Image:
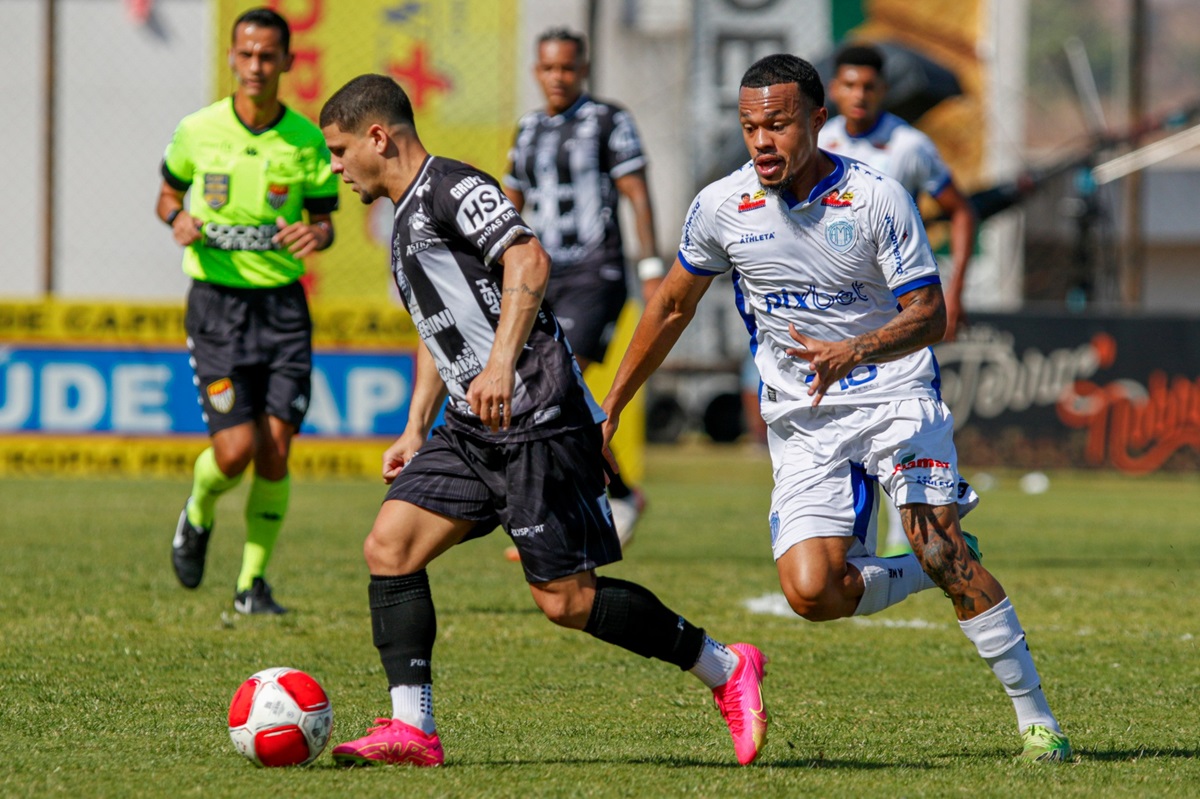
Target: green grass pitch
114	681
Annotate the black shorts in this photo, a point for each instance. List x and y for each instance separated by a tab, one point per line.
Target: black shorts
587	302
548	494
252	352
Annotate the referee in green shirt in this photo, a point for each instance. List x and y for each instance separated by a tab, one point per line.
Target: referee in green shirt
255	170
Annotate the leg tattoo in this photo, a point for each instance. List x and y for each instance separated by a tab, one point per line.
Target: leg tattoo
936	541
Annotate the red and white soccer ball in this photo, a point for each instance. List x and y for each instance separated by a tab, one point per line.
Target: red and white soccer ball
280	717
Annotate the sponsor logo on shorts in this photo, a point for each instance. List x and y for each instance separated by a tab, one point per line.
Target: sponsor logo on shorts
216	190
300	403
913	462
277	195
221	395
841	235
774	526
528	532
934	482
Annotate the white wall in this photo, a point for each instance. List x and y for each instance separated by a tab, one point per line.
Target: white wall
22	87
122	87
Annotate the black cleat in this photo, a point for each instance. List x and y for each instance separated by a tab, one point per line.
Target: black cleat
257	600
189	550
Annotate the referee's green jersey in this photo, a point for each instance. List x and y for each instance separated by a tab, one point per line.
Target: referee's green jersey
241	182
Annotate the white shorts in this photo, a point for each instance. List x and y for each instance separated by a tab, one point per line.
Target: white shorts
830	463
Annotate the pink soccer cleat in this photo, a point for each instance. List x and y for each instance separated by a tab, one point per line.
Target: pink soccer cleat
391	742
740	701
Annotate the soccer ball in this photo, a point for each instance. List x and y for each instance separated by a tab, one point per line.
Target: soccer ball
280	717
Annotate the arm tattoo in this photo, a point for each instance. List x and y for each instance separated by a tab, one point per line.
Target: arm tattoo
523	289
918	325
946	559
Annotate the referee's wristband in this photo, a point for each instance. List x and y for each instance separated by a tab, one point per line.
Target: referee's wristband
170	220
651	268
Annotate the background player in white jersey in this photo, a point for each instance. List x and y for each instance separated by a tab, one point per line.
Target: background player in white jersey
864	131
520	447
570	164
834	272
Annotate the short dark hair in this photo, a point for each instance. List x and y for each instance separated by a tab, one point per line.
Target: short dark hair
785	68
859	55
266	18
564	35
368	98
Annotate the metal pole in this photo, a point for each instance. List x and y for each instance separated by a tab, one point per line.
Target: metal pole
1133	256
48	121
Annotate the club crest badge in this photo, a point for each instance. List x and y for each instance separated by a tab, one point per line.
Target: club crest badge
277	195
841	235
220	395
216	190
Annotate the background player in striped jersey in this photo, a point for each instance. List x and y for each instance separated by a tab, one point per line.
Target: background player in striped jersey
568	167
520	446
823	251
864	131
254	169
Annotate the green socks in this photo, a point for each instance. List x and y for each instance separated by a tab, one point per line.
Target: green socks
265	509
208	483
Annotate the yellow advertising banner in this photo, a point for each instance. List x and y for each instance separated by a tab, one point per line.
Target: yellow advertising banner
456	60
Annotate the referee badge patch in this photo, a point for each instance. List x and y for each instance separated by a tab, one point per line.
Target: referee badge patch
277	195
220	395
216	190
841	235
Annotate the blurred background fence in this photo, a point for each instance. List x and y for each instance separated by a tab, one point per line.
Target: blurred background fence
1068	260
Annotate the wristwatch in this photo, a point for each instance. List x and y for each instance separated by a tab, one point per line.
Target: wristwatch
171	217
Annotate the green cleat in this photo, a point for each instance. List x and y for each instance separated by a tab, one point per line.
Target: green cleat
1045	745
973	545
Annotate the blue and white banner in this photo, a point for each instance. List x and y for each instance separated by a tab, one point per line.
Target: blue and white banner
150	392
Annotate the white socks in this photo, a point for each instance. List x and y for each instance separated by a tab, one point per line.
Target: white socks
716	663
887	581
413	704
998	636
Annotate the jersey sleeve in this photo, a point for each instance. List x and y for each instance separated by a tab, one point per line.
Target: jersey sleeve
700	250
929	171
471	204
623	148
178	167
321	185
903	252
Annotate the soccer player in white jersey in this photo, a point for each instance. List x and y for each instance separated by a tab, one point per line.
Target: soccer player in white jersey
840	290
864	131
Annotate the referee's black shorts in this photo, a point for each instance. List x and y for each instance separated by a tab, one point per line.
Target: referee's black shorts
251	352
548	494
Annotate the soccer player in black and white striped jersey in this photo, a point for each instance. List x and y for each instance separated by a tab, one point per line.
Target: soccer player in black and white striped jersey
520	447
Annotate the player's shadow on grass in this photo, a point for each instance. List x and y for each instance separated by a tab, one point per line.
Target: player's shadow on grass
680	762
1126	755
